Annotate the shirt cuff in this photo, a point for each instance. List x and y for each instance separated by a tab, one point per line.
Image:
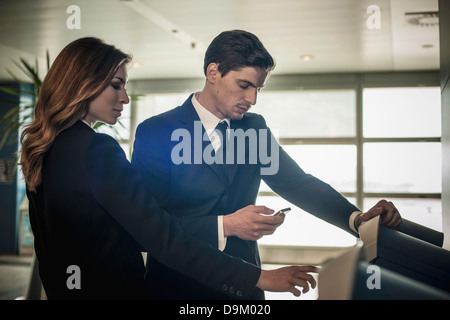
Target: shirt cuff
222	239
351	220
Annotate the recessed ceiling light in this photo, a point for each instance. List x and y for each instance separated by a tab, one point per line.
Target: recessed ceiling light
307	57
136	64
423	19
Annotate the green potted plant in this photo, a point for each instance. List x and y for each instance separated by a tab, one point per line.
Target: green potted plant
24	93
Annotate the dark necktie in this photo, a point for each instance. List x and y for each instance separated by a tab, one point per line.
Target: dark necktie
222	132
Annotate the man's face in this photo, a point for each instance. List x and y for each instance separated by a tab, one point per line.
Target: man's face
237	91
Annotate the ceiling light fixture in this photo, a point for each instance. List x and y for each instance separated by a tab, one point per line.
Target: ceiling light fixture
136	64
307	57
423	19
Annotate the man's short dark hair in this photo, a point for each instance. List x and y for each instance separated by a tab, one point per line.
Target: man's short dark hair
236	49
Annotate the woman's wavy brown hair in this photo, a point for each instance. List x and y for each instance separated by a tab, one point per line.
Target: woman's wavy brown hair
79	73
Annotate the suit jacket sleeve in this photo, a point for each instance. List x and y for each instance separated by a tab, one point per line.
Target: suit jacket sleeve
152	159
120	191
308	192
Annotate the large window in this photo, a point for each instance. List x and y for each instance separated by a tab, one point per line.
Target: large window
391	152
368	141
402	112
402	151
309	113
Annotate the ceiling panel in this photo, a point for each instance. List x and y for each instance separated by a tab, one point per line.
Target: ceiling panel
333	31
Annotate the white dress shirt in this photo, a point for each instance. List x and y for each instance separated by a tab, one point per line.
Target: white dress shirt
351	220
210	122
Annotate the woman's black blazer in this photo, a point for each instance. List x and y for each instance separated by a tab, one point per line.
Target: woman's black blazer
91	217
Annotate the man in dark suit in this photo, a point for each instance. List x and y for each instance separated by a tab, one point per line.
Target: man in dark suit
209	180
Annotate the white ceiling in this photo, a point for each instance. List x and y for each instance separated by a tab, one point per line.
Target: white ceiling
333	31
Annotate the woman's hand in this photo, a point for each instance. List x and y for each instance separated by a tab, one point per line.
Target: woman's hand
286	279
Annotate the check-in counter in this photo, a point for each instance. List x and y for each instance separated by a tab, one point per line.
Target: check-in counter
413	251
421	232
350	277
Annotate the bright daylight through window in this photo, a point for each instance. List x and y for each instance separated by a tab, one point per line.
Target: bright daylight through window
399	143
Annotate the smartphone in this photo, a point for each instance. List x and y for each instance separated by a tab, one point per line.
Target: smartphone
285	210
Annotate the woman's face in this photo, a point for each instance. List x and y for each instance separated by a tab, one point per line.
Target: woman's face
108	105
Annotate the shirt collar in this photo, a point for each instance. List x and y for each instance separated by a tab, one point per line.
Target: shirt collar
85	122
208	119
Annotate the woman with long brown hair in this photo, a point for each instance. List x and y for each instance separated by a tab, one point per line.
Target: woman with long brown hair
90	213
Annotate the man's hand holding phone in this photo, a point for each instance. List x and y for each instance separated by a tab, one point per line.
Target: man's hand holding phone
252	222
282	211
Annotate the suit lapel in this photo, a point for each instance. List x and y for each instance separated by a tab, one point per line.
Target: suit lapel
190	121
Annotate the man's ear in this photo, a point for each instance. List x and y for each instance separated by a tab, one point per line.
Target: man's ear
212	72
